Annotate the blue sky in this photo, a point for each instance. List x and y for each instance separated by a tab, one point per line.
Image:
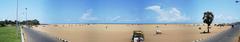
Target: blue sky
121	11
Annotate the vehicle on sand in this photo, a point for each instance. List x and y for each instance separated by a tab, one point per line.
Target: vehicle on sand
137	36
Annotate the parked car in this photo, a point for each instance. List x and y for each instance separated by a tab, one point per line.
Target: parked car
137	36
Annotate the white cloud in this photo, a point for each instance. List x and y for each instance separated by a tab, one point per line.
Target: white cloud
225	18
87	15
129	20
116	18
172	15
121	19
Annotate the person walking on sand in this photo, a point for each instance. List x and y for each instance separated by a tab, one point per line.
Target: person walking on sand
106	27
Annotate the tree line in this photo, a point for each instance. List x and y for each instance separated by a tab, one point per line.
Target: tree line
13	22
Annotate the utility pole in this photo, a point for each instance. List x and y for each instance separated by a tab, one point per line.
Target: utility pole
17	19
17	24
26	17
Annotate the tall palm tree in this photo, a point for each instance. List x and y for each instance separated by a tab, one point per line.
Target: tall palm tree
208	18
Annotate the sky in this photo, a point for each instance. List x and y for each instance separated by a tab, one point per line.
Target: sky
120	11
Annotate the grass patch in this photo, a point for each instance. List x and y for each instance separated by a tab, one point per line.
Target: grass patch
8	34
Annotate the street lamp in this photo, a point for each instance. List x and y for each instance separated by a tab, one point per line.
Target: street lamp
26	17
17	25
17	19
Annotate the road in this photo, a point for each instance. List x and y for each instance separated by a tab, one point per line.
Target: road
226	36
36	36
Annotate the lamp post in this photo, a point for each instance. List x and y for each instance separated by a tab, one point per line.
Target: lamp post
17	19
26	17
17	24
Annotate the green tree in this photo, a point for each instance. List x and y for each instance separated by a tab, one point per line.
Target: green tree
2	24
208	18
35	22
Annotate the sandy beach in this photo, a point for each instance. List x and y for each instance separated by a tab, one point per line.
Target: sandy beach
123	32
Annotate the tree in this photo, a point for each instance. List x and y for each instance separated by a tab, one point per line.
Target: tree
30	22
12	22
2	24
35	22
9	22
26	22
208	18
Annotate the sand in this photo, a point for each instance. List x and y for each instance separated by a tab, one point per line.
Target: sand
123	32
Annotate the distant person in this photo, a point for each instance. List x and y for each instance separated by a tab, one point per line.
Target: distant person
106	27
200	28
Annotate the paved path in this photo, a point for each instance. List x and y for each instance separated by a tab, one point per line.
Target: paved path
36	36
226	36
